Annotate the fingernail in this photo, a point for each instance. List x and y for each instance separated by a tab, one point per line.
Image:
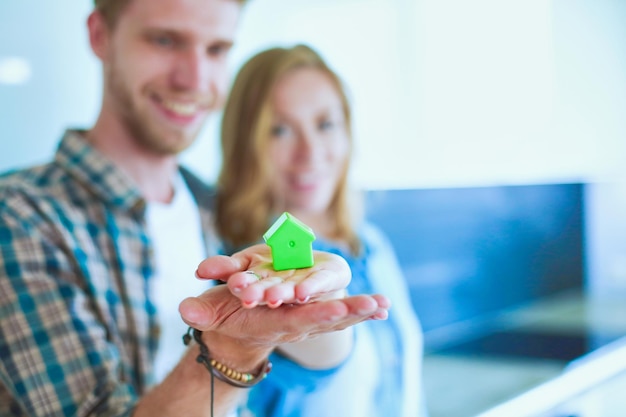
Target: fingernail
274	304
304	300
250	304
381	315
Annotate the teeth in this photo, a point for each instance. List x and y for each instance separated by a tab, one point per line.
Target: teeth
184	109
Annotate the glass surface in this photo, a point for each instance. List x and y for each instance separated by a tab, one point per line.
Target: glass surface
560	356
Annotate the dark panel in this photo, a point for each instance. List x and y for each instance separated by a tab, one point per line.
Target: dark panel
467	252
563	347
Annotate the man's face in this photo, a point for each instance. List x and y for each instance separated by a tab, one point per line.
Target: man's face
166	69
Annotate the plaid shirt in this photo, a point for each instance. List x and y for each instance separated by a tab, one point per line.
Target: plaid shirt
78	329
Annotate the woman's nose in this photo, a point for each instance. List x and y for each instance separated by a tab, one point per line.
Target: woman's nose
309	149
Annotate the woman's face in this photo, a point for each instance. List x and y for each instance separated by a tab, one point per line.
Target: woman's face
309	145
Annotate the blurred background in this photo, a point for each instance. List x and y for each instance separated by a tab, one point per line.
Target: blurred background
491	140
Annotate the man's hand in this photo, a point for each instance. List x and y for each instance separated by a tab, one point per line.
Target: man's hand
231	328
244	336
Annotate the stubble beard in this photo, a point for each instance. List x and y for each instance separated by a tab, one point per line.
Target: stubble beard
161	141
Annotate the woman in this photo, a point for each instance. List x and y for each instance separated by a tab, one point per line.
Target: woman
286	142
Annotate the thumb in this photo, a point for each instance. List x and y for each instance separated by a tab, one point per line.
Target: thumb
204	312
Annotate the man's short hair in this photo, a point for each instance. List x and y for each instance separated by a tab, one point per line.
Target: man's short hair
111	9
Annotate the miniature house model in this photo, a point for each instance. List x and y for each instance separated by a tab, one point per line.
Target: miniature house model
290	241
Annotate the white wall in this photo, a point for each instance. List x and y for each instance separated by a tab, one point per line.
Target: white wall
457	92
445	92
63	84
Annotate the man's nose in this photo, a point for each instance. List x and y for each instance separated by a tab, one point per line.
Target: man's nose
193	71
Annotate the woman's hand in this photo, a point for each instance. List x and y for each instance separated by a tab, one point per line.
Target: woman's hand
251	278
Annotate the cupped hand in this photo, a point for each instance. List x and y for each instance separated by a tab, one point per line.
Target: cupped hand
233	330
251	278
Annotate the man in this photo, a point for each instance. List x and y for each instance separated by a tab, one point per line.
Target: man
80	258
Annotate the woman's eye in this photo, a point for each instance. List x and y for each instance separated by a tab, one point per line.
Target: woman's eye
280	131
326	125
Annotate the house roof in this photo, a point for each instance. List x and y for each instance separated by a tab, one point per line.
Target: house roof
288	219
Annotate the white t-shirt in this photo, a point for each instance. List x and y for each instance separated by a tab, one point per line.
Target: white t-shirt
176	234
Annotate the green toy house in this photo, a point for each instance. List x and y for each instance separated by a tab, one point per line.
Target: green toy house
290	241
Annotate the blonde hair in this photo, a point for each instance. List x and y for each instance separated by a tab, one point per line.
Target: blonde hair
244	203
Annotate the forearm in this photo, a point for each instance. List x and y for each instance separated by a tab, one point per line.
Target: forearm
325	351
322	352
187	389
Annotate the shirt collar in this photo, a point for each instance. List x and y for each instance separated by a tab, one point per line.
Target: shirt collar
96	172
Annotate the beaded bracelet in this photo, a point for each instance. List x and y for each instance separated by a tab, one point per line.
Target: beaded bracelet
221	371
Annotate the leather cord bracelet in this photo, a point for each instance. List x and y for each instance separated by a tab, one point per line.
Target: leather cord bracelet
221	371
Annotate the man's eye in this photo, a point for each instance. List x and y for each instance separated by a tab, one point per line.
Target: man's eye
217	50
165	41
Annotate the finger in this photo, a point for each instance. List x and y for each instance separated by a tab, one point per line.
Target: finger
217	310
332	273
205	311
271	290
384	305
222	267
327	316
241	280
382	301
254	257
217	267
283	292
264	287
